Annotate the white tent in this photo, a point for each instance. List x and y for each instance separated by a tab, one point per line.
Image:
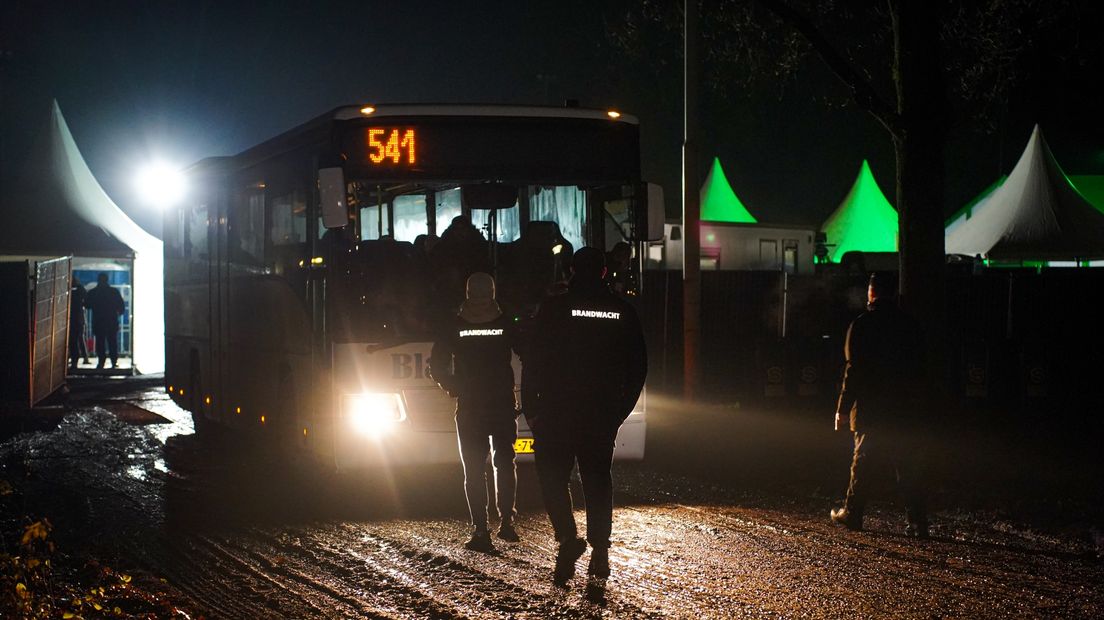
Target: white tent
1036	214
58	208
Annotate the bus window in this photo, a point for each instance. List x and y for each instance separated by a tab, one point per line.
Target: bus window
508	225
618	214
373	222
288	232
289	220
448	207
410	217
245	234
174	233
565	205
195	235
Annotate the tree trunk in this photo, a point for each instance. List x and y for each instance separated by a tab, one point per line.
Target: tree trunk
920	145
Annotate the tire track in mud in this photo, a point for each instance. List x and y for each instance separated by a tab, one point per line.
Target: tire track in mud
197	575
475	585
369	588
286	582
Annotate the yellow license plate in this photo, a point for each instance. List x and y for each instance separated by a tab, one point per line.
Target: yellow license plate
523	445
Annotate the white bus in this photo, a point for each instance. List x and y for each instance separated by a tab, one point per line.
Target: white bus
304	277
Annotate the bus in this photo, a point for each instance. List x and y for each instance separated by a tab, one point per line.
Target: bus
305	276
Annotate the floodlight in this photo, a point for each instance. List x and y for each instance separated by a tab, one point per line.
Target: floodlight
160	184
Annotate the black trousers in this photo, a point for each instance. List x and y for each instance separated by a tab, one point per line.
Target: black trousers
876	459
107	345
472	434
77	348
556	451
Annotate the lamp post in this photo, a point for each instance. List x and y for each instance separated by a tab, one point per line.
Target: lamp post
691	207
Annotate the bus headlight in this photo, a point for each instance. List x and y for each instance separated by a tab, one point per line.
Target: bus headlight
372	414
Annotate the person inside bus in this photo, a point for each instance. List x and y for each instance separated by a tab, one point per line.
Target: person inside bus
461	252
538	264
584	370
618	263
107	306
471	361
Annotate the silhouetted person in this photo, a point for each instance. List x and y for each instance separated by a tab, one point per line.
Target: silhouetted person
461	252
77	348
882	388
584	370
107	306
619	263
471	361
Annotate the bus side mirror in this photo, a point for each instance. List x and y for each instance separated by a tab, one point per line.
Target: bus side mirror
331	191
657	214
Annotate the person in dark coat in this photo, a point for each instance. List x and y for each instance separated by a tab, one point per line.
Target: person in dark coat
471	361
77	348
107	306
461	251
583	374
882	388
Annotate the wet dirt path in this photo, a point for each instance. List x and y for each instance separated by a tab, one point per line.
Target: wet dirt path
237	535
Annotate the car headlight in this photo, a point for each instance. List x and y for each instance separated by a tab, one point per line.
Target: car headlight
372	414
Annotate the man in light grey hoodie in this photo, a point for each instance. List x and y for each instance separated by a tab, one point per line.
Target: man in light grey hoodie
471	361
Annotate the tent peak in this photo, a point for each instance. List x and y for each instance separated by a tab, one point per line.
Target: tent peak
718	202
864	220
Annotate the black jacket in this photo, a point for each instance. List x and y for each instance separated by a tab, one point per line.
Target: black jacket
76	307
471	361
883	379
586	360
106	304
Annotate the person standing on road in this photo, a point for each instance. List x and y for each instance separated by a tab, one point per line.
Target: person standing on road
77	348
471	361
583	374
107	306
882	388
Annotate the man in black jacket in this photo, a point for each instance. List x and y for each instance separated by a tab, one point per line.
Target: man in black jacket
471	361
882	390
107	306
583	374
76	324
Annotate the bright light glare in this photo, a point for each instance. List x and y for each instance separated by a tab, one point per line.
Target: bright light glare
556	249
373	414
160	184
613	114
366	110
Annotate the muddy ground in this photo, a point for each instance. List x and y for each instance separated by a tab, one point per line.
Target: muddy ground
726	518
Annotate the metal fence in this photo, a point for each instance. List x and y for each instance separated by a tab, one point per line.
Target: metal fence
1016	339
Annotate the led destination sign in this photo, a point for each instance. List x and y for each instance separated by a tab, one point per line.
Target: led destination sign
396	146
507	149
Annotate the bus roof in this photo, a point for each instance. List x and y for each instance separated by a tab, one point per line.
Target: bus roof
318	124
345	113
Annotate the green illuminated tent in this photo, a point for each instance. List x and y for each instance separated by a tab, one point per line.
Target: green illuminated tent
864	221
718	202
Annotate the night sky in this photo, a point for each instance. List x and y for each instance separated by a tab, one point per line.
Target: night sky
180	81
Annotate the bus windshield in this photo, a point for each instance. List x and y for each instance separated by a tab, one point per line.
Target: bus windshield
396	281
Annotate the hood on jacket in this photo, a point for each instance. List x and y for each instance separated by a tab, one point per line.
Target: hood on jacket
480	305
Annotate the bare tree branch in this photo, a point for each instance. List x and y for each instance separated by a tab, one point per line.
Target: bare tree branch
862	91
